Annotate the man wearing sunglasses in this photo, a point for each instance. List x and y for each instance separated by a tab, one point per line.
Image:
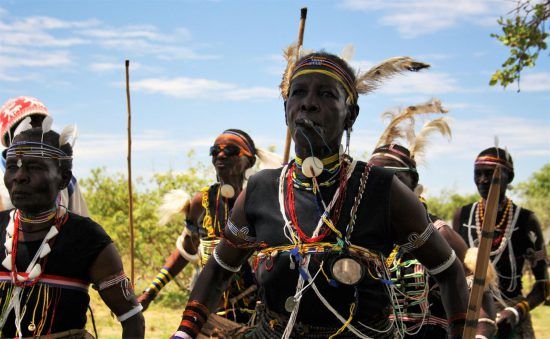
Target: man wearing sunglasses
233	153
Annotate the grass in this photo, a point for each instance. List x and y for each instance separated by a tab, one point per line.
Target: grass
161	321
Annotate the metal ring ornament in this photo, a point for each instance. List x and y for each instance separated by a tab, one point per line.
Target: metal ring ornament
347	270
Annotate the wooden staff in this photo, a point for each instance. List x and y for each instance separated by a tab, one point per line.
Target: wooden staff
303	15
130	193
483	255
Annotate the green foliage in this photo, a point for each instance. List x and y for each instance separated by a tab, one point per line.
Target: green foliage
108	201
535	194
447	202
525	36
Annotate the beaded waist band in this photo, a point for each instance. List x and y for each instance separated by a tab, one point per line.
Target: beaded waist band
55	281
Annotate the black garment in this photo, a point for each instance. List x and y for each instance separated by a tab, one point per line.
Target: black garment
509	286
74	250
372	231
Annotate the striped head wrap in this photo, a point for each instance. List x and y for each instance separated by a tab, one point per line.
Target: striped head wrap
242	139
495	156
323	65
396	152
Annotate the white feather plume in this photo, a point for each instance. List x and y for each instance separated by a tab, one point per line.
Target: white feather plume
267	159
347	53
47	124
23	126
173	203
68	133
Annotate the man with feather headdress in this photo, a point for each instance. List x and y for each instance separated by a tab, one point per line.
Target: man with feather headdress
12	113
324	224
517	240
421	313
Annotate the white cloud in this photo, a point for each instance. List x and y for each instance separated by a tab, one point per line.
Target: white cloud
412	19
197	88
433	83
112	66
535	82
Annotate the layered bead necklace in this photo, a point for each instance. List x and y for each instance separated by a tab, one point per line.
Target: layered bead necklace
501	241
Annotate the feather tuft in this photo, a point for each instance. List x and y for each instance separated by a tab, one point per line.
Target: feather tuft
47	124
289	54
347	53
69	133
373	78
173	203
267	159
440	125
23	126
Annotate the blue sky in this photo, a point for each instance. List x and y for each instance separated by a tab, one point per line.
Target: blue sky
199	67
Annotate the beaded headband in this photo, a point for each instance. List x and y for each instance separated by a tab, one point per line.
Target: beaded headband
241	141
317	64
391	152
36	150
489	160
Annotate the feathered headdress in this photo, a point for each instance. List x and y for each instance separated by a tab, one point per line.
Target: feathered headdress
365	82
402	126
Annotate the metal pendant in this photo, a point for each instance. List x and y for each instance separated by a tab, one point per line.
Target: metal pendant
290	304
347	270
31	327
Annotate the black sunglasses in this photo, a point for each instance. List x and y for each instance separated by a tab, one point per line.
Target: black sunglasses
229	150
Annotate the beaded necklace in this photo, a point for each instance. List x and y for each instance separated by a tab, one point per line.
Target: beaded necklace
213	224
502	240
328	221
39	218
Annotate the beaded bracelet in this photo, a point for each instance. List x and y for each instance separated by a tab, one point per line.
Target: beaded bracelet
193	318
524	307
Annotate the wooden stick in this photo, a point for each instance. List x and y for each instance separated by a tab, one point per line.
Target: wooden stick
130	193
483	254
303	15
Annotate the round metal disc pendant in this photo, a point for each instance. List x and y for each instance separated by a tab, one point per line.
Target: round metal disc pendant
290	304
227	191
348	271
31	327
312	167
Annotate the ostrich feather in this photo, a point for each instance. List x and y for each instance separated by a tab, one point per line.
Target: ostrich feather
268	160
347	53
68	133
23	126
173	203
47	124
373	78
290	56
393	131
440	125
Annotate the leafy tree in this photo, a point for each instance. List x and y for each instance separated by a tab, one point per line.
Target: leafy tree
107	198
525	36
447	202
535	194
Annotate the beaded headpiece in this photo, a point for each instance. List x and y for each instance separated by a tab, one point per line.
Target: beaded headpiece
16	109
364	83
495	156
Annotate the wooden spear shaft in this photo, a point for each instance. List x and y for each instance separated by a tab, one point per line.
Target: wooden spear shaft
483	254
130	193
303	15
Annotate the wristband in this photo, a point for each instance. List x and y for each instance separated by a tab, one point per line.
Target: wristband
515	312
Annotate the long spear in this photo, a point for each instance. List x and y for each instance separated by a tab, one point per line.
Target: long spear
303	15
483	254
130	193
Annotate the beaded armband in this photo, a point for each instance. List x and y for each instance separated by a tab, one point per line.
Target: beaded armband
192	258
456	325
444	265
114	280
240	232
417	240
193	318
223	264
162	278
524	308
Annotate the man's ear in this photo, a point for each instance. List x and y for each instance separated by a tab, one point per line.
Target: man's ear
66	177
353	110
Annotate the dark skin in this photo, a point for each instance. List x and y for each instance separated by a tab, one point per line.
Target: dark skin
482	179
453	238
322	100
230	170
33	188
